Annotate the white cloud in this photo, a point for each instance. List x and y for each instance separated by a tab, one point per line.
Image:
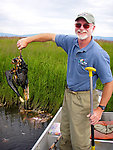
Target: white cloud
37	16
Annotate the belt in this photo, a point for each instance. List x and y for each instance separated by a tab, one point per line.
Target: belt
76	92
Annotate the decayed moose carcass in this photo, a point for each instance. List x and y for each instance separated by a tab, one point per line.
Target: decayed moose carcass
18	77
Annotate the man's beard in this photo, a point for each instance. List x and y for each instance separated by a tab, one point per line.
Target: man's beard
82	37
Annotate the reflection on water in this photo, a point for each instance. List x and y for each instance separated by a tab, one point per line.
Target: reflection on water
18	132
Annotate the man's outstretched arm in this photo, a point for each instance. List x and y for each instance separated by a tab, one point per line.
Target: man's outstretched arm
44	37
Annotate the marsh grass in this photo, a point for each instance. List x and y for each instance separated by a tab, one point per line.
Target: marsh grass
47	73
108	46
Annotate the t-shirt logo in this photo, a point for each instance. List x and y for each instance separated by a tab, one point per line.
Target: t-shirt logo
82	62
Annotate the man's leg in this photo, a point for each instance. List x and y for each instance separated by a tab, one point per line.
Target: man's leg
80	125
65	141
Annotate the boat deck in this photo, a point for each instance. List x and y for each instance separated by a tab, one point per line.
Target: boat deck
52	132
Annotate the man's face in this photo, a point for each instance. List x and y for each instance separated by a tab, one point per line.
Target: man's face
83	29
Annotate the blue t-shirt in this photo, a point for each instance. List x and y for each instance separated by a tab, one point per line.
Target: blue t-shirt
78	59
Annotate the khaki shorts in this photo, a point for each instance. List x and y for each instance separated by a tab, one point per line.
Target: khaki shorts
75	126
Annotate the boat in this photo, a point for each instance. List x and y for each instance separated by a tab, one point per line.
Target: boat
49	140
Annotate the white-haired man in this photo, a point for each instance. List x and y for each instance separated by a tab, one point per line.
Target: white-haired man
82	52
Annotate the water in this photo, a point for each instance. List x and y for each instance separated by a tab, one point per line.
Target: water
17	132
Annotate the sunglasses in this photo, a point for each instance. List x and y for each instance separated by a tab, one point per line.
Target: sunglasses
78	25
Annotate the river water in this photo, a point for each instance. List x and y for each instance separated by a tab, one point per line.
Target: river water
17	132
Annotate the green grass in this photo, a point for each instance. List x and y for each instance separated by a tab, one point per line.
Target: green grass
108	46
47	73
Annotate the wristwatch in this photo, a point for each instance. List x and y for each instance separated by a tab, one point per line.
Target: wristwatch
102	107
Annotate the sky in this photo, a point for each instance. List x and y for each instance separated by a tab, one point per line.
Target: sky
53	16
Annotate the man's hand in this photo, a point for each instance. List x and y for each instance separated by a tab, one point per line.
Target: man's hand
22	43
97	113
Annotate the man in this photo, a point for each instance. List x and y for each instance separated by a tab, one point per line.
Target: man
82	52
